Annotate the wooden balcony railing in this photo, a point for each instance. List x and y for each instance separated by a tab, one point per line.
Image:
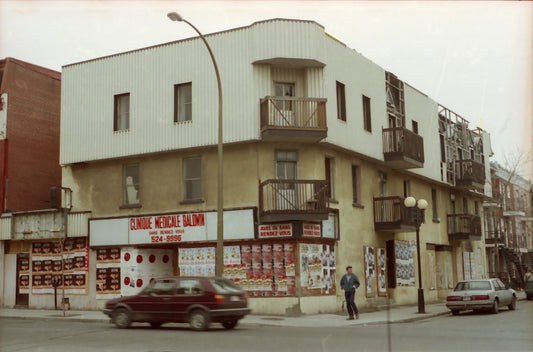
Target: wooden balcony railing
403	147
464	227
296	118
469	174
281	200
390	214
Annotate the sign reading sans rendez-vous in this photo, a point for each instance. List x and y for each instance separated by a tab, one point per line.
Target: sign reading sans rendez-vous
167	228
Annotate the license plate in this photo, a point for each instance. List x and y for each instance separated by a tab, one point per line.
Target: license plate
235	298
467	298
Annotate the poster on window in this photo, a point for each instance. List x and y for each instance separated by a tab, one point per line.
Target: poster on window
329	269
405	270
381	270
108	282
23	276
370	271
311	274
47	260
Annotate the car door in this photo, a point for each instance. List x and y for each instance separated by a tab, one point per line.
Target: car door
189	292
505	295
155	302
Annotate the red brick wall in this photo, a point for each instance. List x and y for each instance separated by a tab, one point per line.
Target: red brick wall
33	119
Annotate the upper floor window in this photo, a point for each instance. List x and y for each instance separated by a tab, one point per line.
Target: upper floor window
192	175
434	204
131	184
341	102
356	184
367	120
122	112
330	177
286	164
283	89
383	188
415	126
183	102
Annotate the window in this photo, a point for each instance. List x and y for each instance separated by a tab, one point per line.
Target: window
465	206
434	204
122	112
330	176
476	208
286	164
406	188
367	120
131	184
192	176
183	102
341	102
382	184
356	185
415	126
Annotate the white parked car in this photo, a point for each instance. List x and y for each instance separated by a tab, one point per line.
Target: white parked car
483	294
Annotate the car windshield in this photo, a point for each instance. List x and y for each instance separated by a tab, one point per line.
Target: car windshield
225	286
473	286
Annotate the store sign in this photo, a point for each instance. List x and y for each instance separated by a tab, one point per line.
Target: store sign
275	231
167	228
311	230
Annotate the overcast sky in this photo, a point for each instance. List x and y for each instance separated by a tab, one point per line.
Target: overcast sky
475	58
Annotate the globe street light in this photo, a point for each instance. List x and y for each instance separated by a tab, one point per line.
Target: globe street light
416	210
219	266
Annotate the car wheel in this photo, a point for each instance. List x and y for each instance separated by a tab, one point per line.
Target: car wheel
155	324
455	311
495	307
198	320
512	306
122	318
230	324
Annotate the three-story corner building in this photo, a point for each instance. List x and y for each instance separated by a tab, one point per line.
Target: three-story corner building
321	147
509	225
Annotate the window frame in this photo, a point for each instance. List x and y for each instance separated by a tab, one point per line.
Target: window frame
356	185
434	205
117	98
125	200
414	126
177	88
367	114
340	90
198	179
329	168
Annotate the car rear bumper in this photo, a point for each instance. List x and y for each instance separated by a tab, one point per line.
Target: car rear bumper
470	305
237	313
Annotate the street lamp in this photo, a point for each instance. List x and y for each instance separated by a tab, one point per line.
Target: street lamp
416	210
219	266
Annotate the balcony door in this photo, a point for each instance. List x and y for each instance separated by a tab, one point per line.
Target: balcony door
287	169
285	91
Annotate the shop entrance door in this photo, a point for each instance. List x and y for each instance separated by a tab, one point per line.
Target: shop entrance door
23	279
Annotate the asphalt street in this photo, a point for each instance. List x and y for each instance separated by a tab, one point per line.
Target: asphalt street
506	331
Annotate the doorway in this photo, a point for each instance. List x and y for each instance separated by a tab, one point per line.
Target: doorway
23	280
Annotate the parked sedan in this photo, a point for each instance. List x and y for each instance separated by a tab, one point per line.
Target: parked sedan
484	294
198	301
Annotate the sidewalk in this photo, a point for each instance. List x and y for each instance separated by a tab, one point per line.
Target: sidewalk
398	314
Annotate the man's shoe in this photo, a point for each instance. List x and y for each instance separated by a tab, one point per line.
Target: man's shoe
356	316
350	318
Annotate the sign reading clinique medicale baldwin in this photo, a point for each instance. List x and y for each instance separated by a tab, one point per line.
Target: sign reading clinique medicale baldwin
167	228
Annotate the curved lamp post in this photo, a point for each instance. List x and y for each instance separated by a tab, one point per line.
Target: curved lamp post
219	266
416	209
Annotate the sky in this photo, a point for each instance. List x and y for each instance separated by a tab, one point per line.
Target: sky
474	58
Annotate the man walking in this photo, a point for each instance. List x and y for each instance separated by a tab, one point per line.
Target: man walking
349	283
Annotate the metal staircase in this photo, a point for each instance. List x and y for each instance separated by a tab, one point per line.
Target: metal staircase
514	267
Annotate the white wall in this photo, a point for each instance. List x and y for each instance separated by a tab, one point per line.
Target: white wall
10	280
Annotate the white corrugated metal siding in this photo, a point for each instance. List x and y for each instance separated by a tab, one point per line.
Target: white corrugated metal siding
78	224
5	227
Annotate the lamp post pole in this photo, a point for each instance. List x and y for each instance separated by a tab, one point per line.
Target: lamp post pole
219	266
416	209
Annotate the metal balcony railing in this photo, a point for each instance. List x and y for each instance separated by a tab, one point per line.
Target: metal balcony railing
390	214
464	227
469	173
399	143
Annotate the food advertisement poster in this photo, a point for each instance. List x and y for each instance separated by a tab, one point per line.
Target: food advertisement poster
23	276
382	273
370	271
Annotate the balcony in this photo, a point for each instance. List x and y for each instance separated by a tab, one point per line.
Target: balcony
403	149
470	174
294	119
390	214
464	227
282	200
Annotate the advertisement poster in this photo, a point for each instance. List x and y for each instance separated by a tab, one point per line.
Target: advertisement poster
431	271
24	276
382	284
47	260
139	266
405	270
370	271
329	269
311	274
108	282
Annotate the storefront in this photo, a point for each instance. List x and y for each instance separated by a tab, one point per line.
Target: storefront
289	260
